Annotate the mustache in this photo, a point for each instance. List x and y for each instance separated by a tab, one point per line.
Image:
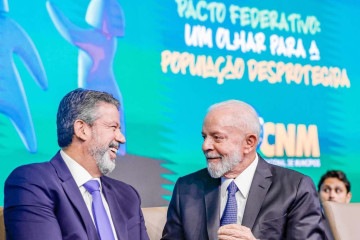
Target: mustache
211	155
114	145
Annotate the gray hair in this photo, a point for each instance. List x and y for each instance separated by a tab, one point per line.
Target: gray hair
243	115
79	104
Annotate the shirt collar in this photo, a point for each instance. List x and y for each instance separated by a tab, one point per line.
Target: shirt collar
243	181
79	173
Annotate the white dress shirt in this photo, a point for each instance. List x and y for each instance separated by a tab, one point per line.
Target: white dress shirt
243	182
81	176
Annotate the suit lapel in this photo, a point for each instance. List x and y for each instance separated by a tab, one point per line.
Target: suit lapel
115	210
212	205
72	192
259	187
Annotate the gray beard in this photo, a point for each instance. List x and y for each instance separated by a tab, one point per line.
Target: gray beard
217	170
103	160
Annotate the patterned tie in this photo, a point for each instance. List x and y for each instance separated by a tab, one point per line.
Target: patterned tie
230	213
102	221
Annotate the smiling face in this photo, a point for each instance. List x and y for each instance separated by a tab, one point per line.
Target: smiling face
105	137
227	148
221	146
333	189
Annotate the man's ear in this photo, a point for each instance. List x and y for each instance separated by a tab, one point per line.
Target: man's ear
251	141
81	129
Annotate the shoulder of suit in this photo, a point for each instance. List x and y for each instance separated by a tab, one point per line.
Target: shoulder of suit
282	171
32	168
115	183
118	186
285	172
202	173
112	180
34	173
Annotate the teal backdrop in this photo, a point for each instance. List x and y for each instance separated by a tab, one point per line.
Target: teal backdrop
296	62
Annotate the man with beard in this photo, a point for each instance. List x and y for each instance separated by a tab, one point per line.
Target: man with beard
264	201
70	197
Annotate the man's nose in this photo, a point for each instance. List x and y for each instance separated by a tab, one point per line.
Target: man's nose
332	194
207	145
119	137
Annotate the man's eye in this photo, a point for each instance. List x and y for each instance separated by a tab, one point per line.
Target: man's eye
218	137
338	190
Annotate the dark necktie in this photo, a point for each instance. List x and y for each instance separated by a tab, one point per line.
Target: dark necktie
230	213
101	219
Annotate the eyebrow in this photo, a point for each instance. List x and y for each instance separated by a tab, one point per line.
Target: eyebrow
109	123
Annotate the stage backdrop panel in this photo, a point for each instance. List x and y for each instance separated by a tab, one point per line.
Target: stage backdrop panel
167	61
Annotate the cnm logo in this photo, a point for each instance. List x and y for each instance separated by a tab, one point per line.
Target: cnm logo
292	140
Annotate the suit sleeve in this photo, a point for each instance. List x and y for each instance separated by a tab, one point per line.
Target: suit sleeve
305	217
143	233
173	228
28	210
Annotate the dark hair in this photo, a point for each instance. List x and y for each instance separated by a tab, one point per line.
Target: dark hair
335	174
79	104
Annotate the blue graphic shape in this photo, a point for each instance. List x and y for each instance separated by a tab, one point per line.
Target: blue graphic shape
13	101
97	47
261	135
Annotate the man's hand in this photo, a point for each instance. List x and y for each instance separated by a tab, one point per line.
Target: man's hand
235	232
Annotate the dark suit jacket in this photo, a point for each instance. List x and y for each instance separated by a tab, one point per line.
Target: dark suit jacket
329	235
42	201
282	204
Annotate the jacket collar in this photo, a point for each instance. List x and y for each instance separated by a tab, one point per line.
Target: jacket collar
74	196
212	205
259	187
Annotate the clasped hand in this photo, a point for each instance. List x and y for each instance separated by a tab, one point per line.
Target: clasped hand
235	232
